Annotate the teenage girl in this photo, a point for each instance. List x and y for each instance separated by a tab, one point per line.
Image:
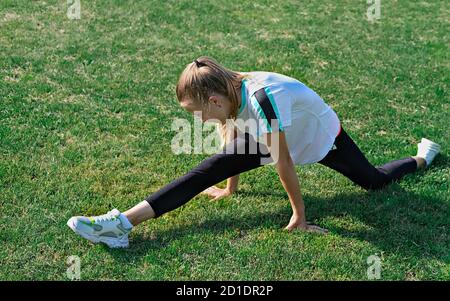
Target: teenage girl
294	126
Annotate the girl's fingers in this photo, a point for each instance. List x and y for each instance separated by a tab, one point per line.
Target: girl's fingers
215	193
217	198
289	229
309	228
220	195
207	190
317	229
211	191
210	188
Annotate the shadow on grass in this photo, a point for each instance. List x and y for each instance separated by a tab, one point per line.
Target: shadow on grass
394	220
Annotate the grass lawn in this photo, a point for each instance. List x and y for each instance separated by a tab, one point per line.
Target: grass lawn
86	108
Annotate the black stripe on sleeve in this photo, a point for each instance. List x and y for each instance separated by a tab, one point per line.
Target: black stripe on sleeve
264	102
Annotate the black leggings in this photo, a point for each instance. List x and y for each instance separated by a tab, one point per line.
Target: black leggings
238	156
348	159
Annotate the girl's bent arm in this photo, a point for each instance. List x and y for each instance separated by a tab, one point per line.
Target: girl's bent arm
288	176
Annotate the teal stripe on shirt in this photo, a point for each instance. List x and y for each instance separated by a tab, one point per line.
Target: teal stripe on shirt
243	97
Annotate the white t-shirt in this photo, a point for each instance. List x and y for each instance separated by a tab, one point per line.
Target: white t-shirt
309	124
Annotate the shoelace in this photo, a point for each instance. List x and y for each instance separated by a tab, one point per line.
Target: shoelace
105	217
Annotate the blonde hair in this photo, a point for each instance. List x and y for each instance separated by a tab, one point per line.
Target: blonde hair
204	77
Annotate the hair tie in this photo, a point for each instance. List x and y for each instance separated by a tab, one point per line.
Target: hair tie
198	64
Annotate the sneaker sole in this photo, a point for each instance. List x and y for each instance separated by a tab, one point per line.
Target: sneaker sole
110	242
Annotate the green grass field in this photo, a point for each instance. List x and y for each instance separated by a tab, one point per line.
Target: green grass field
86	108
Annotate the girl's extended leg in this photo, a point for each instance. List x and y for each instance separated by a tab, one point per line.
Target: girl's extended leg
348	159
112	228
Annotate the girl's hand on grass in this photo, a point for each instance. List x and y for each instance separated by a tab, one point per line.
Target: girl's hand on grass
216	193
299	224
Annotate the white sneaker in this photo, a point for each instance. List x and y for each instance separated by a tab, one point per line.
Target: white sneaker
111	228
428	149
